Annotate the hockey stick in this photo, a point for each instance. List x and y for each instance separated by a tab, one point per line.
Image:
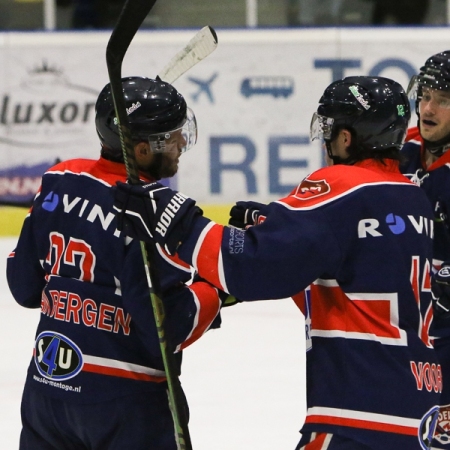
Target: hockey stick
198	48
130	19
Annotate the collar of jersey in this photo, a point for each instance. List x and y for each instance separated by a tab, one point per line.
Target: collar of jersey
389	165
117	168
414	135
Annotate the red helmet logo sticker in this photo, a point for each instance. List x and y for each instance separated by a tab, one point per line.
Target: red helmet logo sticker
310	189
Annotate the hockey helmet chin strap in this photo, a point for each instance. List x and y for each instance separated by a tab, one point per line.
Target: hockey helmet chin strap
337	159
437	148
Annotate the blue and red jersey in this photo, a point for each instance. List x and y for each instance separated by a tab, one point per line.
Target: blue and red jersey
97	338
353	246
435	182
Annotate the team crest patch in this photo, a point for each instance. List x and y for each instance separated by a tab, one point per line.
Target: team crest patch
442	434
310	189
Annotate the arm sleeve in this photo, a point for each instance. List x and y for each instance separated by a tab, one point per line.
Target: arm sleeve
275	259
24	272
189	310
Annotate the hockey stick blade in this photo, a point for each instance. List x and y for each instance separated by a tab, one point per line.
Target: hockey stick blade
198	48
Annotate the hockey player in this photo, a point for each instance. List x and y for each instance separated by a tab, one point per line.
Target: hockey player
427	164
96	380
353	245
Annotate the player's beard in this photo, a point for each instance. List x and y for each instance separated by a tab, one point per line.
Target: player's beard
162	166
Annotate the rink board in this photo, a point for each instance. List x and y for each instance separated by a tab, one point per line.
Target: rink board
11	218
253	97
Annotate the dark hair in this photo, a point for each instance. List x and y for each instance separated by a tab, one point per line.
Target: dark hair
359	152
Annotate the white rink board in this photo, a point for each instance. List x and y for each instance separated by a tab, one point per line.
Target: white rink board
250	147
245	382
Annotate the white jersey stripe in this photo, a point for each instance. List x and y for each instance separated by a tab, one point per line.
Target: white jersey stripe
171	261
361	415
199	243
122	365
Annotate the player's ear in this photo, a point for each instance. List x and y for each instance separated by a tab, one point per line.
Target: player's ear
142	152
346	137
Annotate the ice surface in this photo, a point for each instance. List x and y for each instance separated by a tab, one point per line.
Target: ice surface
245	382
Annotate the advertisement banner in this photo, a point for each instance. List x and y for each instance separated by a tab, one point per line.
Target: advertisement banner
253	99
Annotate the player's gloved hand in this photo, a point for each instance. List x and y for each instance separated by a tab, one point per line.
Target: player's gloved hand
440	289
245	214
442	213
154	212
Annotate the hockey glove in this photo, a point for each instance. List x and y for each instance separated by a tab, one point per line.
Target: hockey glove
440	288
245	214
442	214
154	212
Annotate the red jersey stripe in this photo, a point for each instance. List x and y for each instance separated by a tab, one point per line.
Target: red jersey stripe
320	441
112	371
360	419
361	316
207	311
208	260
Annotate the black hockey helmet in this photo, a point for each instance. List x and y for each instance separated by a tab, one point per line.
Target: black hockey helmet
155	109
435	74
375	109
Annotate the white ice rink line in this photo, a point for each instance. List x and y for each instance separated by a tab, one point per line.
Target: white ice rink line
245	383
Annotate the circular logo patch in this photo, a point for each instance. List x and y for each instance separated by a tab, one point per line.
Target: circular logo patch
56	356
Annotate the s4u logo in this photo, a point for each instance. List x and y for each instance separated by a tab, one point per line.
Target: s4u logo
56	356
